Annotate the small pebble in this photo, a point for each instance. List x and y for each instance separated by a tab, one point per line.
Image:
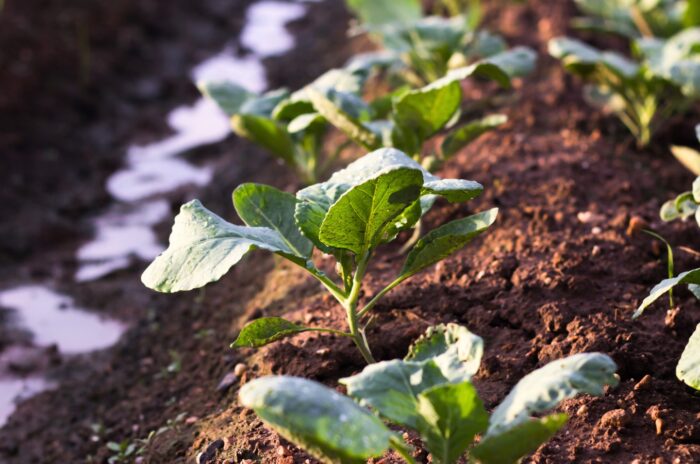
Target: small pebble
614	419
659	423
282	451
646	380
582	411
191	420
240	369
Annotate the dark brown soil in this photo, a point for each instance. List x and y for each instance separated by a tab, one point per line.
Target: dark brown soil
540	285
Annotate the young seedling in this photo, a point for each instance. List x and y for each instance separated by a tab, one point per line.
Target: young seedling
638	18
664	80
348	217
684	206
420	49
430	391
285	124
405	119
688	368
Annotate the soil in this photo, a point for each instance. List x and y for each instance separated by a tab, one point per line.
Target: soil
545	282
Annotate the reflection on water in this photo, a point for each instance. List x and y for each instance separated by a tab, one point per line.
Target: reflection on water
53	319
14	390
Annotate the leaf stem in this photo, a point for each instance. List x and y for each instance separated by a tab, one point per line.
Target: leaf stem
383	292
350	305
403	449
331	331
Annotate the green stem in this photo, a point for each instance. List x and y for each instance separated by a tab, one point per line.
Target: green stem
379	295
350	305
331	331
403	449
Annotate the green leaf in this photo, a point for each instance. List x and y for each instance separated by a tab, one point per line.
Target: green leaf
688	277
266	133
264	104
326	424
547	386
229	96
264	206
266	330
511	445
687	157
304	122
358	221
450	416
453	190
342	120
516	62
439	243
469	132
313	205
427	110
203	247
453	348
688	369
378	12
580	58
481	69
392	388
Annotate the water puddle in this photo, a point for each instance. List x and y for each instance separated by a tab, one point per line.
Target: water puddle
15	390
55	322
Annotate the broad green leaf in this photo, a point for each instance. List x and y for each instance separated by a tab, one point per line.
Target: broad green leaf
469	132
688	277
379	12
392	388
339	80
450	416
453	348
696	189
688	369
266	330
264	206
264	104
427	110
518	441
605	98
203	247
481	69
266	133
453	190
359	219
682	207
342	120
228	95
547	386
365	62
439	243
305	121
374	163
582	59
313	204
516	62
326	424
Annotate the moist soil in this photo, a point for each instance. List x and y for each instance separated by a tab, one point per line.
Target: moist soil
560	273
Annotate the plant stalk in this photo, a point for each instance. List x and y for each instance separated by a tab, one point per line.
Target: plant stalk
350	305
